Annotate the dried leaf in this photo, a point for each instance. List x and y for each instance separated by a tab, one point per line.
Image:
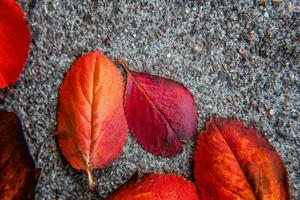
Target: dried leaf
233	161
92	128
160	112
18	177
14	42
157	186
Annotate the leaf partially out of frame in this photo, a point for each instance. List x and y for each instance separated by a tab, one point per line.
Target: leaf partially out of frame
18	176
233	161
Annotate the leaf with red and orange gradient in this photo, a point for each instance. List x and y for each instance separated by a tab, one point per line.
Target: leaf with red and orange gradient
157	186
91	127
18	176
233	161
161	113
14	42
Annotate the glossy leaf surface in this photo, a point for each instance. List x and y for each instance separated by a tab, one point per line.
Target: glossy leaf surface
91	128
160	112
14	42
18	176
157	187
233	161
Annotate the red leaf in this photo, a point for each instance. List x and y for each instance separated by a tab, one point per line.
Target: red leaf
157	187
91	128
14	42
18	177
160	112
233	161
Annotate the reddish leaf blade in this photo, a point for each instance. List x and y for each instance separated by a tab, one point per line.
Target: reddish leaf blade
233	161
160	112
14	42
91	128
18	177
157	186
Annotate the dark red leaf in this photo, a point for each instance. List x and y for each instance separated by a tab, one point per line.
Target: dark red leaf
233	161
14	42
18	177
157	187
160	112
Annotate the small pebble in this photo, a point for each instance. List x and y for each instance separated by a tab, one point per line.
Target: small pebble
262	3
197	49
271	112
277	3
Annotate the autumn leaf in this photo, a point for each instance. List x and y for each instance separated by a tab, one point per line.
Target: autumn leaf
18	177
157	186
160	112
233	161
14	42
91	127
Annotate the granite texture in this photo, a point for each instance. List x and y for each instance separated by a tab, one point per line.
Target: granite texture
239	59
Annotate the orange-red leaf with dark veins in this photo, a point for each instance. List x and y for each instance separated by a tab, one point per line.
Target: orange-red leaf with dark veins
18	177
157	187
14	42
233	161
91	127
161	113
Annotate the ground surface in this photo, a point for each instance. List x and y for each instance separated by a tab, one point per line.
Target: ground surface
238	59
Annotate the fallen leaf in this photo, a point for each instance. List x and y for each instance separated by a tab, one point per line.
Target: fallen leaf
161	113
157	187
14	42
233	161
92	127
18	176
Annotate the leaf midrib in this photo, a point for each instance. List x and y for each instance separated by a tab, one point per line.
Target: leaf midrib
89	163
143	91
235	157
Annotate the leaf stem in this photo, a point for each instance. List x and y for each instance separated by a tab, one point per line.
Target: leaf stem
91	181
128	71
124	65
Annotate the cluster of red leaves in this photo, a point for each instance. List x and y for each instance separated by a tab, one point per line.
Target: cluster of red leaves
92	127
18	176
232	160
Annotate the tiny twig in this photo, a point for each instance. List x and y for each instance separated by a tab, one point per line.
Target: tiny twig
41	149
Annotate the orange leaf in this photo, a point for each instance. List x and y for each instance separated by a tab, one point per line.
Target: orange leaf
233	161
91	128
157	187
18	177
14	42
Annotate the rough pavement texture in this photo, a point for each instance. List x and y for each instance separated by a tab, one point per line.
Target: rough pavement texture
239	60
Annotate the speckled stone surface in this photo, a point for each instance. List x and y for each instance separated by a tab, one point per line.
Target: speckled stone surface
239	60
